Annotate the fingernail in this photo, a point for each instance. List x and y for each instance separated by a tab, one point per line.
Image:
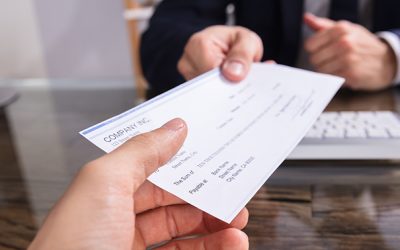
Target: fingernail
174	125
270	62
310	14
234	68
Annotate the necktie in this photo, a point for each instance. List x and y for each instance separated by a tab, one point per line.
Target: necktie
344	10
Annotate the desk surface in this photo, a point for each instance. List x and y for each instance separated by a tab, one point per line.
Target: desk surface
308	205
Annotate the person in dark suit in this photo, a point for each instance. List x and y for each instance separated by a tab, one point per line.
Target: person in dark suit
358	40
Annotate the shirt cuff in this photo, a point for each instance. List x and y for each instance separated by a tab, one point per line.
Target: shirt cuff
394	42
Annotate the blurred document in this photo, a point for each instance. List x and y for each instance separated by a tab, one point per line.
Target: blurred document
238	133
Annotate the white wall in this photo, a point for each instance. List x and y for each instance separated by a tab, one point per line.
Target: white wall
63	39
20	47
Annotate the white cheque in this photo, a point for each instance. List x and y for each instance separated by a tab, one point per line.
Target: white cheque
238	133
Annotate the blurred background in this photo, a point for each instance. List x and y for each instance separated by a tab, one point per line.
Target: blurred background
64	66
71	39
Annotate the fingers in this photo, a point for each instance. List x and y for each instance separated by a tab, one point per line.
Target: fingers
166	223
270	62
235	47
333	60
327	36
149	196
202	53
331	48
230	239
246	48
349	50
328	53
317	23
142	155
331	67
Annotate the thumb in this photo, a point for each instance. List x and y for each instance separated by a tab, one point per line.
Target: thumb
143	154
317	23
246	48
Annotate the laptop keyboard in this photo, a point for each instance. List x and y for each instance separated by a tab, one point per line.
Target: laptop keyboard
356	125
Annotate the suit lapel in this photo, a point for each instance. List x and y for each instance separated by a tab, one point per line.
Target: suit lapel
386	14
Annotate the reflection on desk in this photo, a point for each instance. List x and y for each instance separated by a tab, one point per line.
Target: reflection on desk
310	206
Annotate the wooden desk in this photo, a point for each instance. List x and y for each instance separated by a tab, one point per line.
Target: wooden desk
304	205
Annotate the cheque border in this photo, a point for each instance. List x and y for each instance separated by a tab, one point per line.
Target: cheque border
197	80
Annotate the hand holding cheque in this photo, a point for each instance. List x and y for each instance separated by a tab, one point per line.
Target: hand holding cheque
236	137
238	133
110	205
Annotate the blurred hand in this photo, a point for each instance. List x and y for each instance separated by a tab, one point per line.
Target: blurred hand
111	205
349	50
232	48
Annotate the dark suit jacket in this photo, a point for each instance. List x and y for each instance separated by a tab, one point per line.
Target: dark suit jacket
277	22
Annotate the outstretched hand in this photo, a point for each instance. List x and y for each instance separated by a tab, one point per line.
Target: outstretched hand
233	49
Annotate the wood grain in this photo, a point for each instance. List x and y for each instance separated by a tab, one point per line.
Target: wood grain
309	206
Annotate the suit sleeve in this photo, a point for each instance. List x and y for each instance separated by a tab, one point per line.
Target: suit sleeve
172	24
